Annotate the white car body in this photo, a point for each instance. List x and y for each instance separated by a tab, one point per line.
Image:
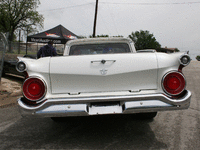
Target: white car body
93	84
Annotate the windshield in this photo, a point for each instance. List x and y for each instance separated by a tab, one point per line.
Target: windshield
102	48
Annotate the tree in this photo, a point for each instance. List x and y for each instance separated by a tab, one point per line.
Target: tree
19	14
177	50
144	40
198	57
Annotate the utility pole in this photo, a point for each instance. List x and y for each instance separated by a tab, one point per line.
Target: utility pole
95	19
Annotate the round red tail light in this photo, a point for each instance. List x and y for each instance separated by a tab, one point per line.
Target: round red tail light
173	83
34	89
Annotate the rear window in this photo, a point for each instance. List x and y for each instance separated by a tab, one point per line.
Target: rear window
107	48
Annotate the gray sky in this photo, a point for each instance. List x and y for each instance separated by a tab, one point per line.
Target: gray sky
174	23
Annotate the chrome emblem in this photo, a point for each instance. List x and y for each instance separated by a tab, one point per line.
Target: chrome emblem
103	71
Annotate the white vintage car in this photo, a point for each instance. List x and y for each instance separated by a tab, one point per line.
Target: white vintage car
103	76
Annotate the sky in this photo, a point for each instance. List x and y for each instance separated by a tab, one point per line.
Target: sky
174	23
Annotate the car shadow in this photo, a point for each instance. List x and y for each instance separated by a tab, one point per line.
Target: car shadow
13	77
98	132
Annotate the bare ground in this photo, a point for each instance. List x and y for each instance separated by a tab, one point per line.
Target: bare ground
10	91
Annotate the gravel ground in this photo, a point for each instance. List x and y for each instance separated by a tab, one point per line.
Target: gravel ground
9	92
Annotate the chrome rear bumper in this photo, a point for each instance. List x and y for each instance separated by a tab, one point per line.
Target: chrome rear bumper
85	106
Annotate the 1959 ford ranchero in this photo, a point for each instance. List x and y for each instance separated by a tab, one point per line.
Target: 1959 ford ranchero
103	76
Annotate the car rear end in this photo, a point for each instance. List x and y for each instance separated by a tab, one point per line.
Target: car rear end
111	83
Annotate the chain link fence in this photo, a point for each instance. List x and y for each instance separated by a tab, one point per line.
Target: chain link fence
3	45
24	48
30	48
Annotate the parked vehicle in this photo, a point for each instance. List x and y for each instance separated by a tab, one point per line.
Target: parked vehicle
104	76
10	66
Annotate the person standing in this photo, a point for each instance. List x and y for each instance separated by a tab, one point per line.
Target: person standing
47	50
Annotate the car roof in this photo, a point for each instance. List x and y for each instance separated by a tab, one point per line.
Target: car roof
98	40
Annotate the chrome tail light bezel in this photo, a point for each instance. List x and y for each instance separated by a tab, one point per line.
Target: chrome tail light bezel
164	88
183	58
44	86
20	64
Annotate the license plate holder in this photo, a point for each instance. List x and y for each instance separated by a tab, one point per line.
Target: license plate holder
108	109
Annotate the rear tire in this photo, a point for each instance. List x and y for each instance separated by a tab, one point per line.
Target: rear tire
149	115
58	119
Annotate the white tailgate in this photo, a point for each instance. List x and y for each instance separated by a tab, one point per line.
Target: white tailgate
86	73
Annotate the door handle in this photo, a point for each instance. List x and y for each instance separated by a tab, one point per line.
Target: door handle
102	61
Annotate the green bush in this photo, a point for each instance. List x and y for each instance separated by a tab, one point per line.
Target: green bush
198	57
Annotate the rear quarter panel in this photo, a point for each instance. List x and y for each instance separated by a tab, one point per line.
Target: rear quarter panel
167	63
38	68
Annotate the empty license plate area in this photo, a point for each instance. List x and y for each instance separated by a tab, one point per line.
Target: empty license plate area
105	108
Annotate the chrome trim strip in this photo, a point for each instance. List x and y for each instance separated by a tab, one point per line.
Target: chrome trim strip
64	109
146	51
146	104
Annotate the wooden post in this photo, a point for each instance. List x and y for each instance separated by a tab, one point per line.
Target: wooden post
19	41
27	41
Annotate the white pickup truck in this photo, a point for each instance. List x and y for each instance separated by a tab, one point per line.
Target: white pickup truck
103	76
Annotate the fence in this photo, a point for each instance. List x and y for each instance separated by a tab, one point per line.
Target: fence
30	48
3	44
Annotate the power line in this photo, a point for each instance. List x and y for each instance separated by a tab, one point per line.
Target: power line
175	3
65	7
116	3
